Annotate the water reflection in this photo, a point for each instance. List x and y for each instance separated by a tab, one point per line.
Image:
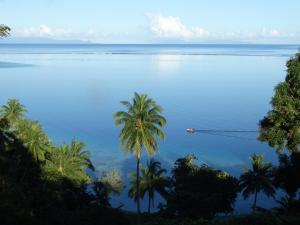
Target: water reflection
167	64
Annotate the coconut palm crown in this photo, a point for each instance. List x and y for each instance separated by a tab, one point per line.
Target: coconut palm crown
141	125
13	110
70	161
257	179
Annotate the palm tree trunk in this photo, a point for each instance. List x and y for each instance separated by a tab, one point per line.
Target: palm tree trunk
149	202
153	201
255	199
138	191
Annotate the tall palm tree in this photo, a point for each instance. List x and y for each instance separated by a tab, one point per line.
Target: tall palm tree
4	30
142	122
70	161
13	110
257	179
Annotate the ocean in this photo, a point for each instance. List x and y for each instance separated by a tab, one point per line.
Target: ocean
74	90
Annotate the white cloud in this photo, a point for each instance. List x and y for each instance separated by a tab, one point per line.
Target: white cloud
65	34
161	27
44	31
270	33
171	27
264	33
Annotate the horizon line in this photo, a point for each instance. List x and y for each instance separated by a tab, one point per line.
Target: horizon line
95	43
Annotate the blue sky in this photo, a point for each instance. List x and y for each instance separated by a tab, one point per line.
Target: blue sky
155	21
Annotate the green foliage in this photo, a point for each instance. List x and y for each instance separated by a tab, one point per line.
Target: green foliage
152	181
133	193
20	179
281	127
13	111
253	219
200	191
34	138
30	132
261	219
287	174
70	161
164	221
141	125
257	179
41	183
288	205
4	30
142	122
287	177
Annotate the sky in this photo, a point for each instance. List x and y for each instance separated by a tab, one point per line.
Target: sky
154	21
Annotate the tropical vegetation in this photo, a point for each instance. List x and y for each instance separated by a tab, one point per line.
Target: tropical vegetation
152	181
141	127
257	179
42	183
281	127
200	191
4	30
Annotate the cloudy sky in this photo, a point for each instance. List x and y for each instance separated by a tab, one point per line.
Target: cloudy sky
154	21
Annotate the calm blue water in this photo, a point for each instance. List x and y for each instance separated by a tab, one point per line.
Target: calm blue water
73	91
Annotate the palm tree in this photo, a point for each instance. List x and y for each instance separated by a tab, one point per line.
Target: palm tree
133	193
34	138
154	181
151	181
13	111
257	179
141	122
4	31
70	161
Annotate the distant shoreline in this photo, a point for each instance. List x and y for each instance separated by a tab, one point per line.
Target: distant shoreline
153	44
267	50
